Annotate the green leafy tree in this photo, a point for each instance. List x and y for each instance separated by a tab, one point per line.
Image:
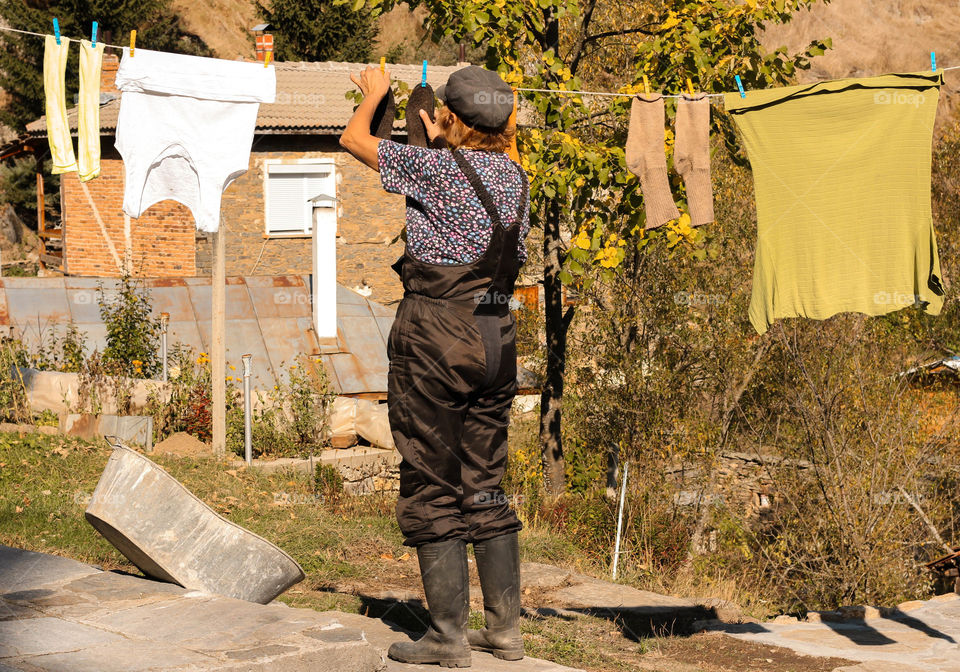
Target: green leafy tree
318	30
18	184
580	187
21	58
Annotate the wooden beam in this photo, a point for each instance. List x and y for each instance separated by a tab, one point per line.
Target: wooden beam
52	260
41	223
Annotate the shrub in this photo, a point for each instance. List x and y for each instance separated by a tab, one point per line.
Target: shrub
133	334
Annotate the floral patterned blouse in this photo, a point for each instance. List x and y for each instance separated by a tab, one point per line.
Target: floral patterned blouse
446	223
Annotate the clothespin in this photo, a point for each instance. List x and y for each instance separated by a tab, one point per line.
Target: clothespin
133	41
93	33
56	29
646	85
423	79
690	87
383	64
266	59
743	94
933	61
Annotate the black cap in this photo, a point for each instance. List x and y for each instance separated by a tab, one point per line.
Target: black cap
478	96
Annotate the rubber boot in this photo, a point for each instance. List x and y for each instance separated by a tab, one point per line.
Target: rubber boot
443	568
498	564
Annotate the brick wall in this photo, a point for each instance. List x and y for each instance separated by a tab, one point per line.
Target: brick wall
370	218
108	73
161	242
164	242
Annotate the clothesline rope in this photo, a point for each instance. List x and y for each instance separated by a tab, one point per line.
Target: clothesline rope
664	95
620	93
62	37
556	91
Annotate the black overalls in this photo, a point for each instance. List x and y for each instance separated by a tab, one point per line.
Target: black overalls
452	380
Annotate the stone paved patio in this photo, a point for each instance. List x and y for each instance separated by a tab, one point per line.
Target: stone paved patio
60	615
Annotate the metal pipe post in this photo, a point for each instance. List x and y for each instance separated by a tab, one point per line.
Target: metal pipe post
164	321
623	495
247	433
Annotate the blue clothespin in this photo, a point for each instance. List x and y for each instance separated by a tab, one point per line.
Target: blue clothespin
933	61
743	94
56	29
423	80
93	40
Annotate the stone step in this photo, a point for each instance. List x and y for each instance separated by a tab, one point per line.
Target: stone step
640	612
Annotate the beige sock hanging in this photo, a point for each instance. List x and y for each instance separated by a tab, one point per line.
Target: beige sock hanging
647	159
691	156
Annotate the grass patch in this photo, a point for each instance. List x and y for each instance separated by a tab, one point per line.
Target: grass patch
350	548
584	642
46	481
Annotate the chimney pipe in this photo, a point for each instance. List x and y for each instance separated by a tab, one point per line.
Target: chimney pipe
264	44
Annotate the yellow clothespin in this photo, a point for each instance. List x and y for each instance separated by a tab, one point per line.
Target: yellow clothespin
646	85
133	41
266	59
383	64
690	87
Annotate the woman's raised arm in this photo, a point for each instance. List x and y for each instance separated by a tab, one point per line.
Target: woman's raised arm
356	137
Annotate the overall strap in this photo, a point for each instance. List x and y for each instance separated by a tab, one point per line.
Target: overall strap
485	199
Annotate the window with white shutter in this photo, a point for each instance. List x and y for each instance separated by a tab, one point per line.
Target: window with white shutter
297	194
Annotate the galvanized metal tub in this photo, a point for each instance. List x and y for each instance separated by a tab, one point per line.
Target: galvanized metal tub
168	533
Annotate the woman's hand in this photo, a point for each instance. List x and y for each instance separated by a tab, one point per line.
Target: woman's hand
356	137
372	83
433	130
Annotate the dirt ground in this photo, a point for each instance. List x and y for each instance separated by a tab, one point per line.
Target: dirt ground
715	652
181	444
587	642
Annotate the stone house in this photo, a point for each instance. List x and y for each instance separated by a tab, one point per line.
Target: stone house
295	156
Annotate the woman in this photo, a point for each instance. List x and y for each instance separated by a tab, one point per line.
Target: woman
452	350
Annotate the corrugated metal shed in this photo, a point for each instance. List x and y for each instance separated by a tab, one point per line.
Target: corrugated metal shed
267	316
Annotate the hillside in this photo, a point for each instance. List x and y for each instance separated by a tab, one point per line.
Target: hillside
873	37
223	24
869	36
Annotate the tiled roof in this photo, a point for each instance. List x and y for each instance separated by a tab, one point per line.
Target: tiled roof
310	98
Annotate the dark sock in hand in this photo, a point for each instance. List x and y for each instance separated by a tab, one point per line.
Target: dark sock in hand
421	98
383	116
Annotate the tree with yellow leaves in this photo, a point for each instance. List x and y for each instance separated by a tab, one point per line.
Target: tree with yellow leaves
581	190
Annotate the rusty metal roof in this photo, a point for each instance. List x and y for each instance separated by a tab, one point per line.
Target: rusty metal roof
267	316
310	98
